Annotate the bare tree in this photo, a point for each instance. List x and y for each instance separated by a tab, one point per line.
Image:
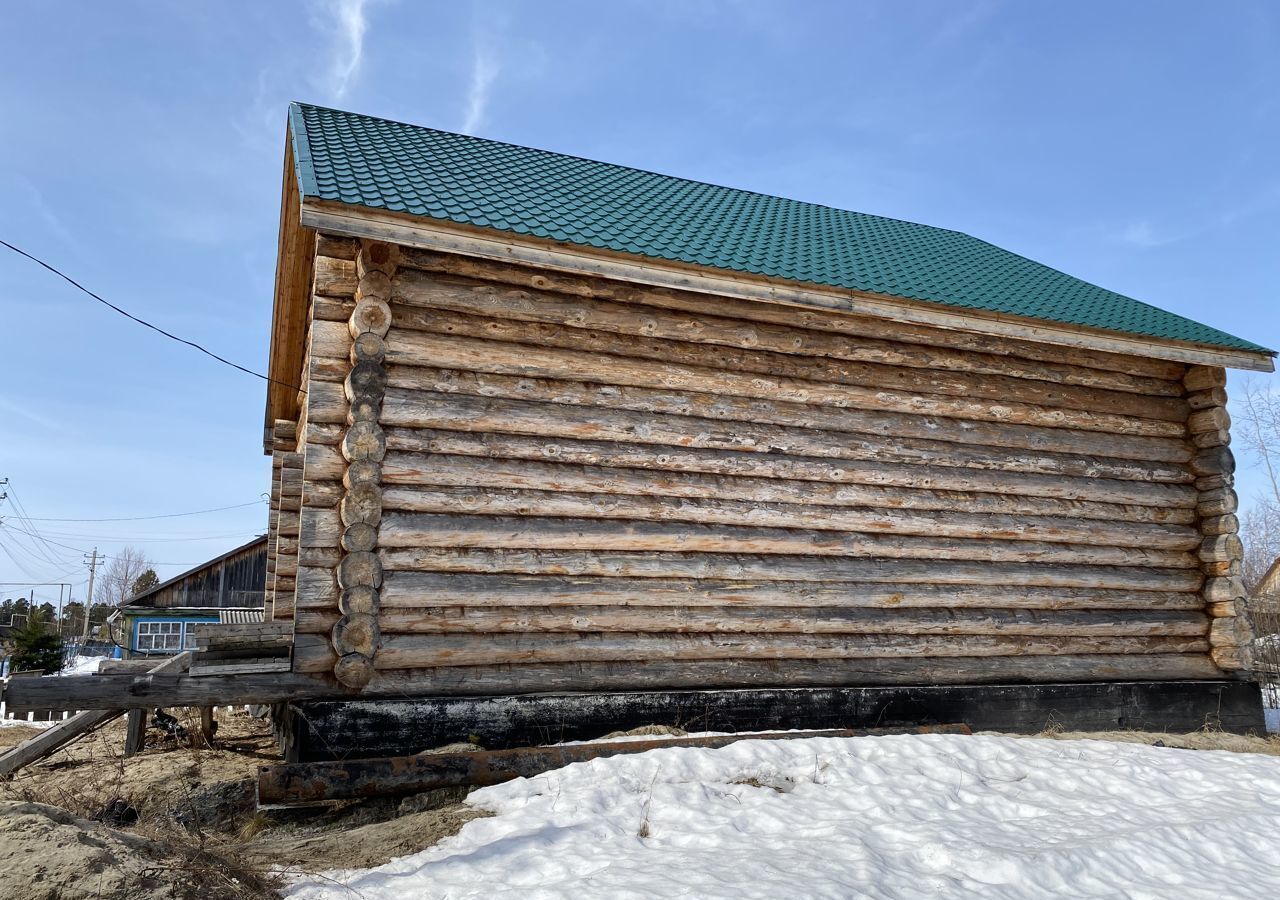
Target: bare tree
1259	430
115	583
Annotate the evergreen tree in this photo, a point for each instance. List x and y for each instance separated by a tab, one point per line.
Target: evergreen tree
35	645
145	582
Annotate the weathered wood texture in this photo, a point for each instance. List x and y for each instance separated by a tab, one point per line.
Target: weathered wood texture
347	729
572	472
282	519
1221	552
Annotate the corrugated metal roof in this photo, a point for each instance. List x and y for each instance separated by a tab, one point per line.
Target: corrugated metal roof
375	163
239	616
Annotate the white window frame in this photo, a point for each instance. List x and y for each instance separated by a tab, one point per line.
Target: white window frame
164	636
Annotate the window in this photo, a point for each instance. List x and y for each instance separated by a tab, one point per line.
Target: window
164	637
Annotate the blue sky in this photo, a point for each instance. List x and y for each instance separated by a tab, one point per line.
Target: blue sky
1133	145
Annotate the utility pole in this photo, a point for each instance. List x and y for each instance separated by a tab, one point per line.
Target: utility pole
92	563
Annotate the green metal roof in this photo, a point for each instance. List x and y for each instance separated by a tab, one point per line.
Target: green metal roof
365	161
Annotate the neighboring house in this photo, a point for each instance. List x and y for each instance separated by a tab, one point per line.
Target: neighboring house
545	424
1264	615
227	590
1268	585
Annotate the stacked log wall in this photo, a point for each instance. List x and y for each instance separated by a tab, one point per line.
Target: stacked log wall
282	522
587	484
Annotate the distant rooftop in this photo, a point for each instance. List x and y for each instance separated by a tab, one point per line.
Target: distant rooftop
375	163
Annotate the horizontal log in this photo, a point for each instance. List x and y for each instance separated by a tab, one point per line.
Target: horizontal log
660	674
561	393
1231	659
1203	378
1212	419
337	247
1207	398
419	589
475	311
414	530
165	690
1222	590
1107	498
331	340
416	348
790	620
794	317
332	309
481	485
327	434
1208	483
326	403
1208	439
786	568
129	691
1221	548
334	277
585	309
1219	502
317	586
314	654
324	462
1214	461
423	409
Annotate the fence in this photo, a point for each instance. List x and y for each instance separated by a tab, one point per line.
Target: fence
1264	613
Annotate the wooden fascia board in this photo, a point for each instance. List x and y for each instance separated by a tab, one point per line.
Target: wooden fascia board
295	248
429	234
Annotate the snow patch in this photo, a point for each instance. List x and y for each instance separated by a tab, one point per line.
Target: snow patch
885	817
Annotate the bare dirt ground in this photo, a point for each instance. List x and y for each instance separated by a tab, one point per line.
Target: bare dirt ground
181	821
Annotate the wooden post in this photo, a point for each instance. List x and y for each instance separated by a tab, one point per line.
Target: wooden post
135	734
206	725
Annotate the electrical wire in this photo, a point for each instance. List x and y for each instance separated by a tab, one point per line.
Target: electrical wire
71	281
117	537
50	555
195	512
7	527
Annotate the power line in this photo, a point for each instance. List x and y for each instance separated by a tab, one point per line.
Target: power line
6	527
50	555
117	537
195	512
71	281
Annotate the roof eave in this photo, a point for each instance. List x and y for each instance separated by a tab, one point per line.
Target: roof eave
295	249
259	539
449	237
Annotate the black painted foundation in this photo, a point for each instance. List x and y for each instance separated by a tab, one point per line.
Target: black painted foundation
321	730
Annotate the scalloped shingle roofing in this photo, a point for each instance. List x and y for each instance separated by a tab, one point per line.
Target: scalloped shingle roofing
364	161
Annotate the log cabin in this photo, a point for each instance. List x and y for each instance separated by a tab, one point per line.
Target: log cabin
544	426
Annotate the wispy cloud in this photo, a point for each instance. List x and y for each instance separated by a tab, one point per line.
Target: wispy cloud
347	24
484	71
1142	233
959	26
30	415
43	210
